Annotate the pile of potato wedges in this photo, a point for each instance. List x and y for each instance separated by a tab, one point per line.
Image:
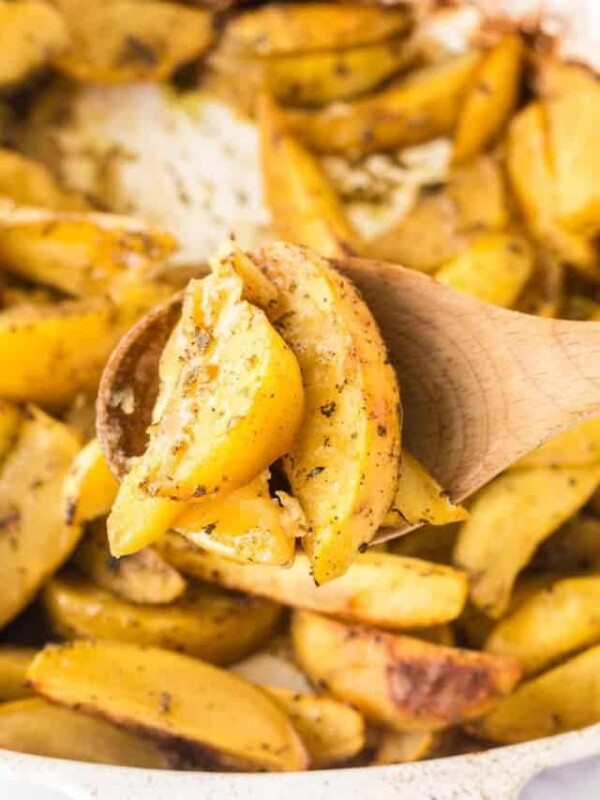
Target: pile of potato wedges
221	599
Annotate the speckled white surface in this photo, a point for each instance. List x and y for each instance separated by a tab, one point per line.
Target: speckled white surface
495	775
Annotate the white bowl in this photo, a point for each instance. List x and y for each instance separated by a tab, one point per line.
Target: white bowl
493	775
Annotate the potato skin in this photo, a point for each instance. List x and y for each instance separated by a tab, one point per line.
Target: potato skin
399	681
218	627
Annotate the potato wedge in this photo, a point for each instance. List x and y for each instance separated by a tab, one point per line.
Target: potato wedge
417	109
570	93
420	499
430	543
279	29
495	269
332	732
378	589
398	681
90	487
343	464
246	525
29	183
35	539
443	223
14	662
142	578
77	253
577	447
173	698
491	100
552	624
563	699
509	519
43	729
52	353
403	747
32	34
11	417
530	173
119	42
216	626
304	206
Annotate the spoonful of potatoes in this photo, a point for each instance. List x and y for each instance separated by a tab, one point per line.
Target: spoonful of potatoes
275	355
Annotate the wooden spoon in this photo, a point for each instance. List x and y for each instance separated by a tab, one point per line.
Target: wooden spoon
481	386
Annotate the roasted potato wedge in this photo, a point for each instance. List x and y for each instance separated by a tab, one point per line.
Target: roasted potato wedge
378	589
414	110
343	464
398	681
143	577
555	622
509	519
444	222
532	180
491	100
403	747
562	699
216	626
173	698
90	487
30	183
577	447
332	732
420	499
35	538
52	353
495	269
14	662
246	525
304	206
77	253
429	542
279	29
570	93
32	34
43	729
119	42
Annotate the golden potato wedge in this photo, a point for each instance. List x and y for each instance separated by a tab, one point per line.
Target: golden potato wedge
90	487
416	109
43	729
35	539
378	589
571	93
399	681
11	417
430	543
119	42
52	353
279	29
443	223
555	622
305	208
577	447
403	747
332	732
171	697
216	626
29	183
246	525
420	499
343	464
32	34
144	577
563	699
491	99
531	177
14	662
509	519
573	548
78	253
494	268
